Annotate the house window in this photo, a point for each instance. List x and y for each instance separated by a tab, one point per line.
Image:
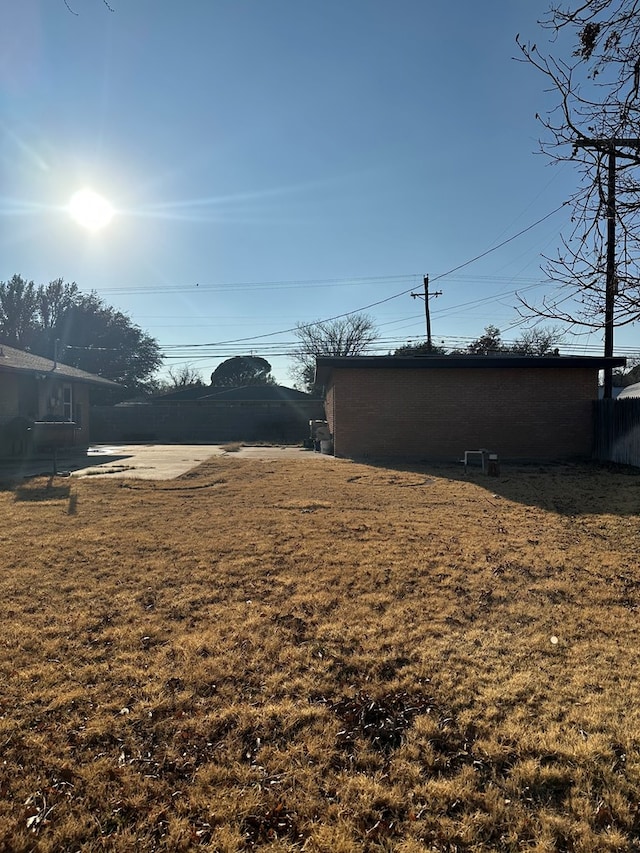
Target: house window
67	403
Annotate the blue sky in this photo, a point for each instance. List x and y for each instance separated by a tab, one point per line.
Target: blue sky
280	161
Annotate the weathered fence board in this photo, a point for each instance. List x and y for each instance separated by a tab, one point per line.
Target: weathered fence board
206	422
617	431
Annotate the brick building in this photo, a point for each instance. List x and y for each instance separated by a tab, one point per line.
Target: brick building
35	391
436	407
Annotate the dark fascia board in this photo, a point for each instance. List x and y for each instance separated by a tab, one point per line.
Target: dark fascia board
326	364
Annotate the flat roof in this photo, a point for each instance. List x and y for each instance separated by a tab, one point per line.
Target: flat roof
326	364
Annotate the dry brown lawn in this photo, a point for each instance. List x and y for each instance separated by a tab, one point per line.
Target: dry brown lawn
321	656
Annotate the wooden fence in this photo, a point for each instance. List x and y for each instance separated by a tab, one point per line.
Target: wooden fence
617	431
284	422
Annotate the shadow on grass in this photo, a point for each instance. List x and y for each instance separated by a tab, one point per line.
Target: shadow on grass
13	473
581	488
37	491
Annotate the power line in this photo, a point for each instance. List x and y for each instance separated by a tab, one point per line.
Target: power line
303	284
395	295
329	282
504	243
441	313
382	347
352	281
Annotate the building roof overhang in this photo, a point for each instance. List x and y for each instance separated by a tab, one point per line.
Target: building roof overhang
325	365
27	364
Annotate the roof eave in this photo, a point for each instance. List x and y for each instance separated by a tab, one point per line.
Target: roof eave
326	364
56	373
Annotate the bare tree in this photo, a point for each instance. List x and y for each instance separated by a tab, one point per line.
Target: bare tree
183	376
540	340
535	342
351	335
595	77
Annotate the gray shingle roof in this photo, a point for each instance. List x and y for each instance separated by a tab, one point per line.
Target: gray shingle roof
18	361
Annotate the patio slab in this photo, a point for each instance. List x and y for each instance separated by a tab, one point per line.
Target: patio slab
167	461
145	461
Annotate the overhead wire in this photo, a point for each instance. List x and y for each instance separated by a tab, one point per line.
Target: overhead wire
381	347
262	285
388	298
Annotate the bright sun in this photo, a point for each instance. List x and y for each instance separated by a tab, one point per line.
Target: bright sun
90	209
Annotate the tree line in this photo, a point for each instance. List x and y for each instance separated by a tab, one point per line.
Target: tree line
57	321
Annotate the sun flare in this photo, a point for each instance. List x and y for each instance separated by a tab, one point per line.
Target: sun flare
90	209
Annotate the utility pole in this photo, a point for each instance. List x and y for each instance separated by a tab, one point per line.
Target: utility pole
426	295
609	146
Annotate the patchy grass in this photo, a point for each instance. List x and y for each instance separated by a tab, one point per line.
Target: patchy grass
323	655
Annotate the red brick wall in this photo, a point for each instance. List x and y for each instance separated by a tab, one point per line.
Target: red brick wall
437	414
329	408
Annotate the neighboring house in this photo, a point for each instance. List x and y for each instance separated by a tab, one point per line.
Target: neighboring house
271	413
436	407
36	390
630	392
278	395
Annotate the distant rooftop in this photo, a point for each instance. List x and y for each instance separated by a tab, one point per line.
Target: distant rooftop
630	392
257	393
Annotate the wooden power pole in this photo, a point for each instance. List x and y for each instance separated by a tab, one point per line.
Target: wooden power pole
426	295
609	146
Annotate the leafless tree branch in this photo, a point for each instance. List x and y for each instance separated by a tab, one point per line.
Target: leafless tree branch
350	335
66	3
597	92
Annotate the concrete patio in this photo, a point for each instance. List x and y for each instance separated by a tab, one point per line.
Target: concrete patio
144	461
